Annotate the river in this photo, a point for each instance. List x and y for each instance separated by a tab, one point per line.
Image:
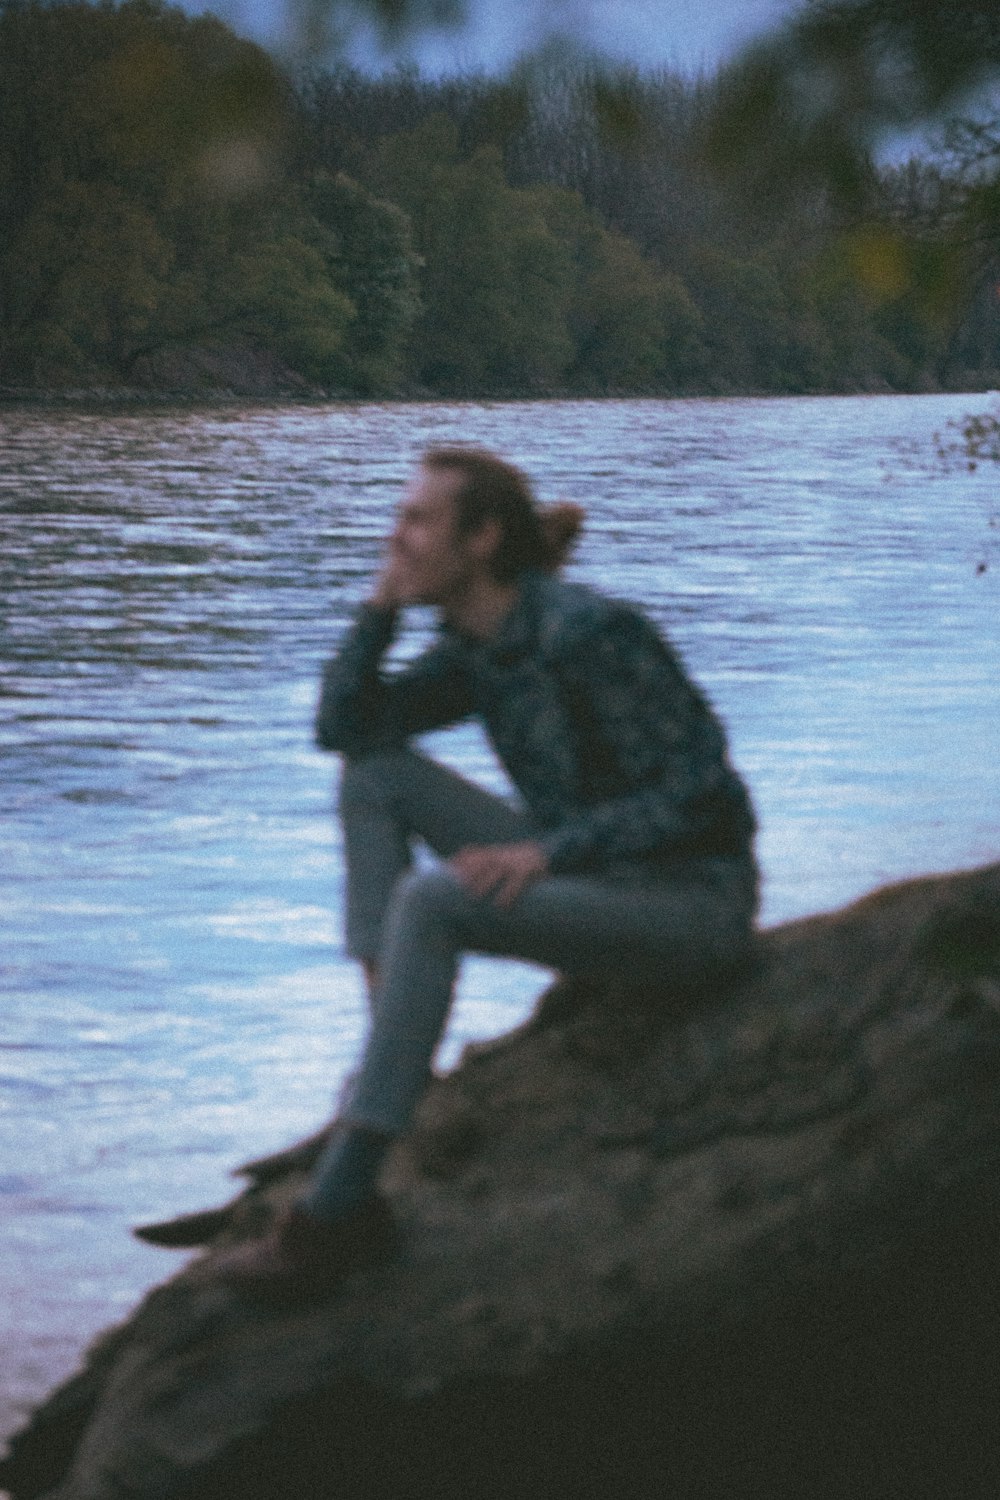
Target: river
174	993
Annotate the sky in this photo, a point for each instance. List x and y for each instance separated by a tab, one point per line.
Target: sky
688	35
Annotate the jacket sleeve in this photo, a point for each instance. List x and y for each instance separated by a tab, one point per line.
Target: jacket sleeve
362	709
658	778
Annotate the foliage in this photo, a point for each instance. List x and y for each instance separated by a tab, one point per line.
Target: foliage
812	107
977	440
495	280
811	101
369	254
166	187
148	202
749	294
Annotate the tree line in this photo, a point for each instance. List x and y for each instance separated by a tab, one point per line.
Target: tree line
173	203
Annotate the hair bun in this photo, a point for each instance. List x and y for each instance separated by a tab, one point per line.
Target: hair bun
561	525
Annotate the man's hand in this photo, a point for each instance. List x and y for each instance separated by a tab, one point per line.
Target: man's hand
387	591
500	870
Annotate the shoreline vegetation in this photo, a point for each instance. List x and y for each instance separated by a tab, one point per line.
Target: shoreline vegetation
185	219
220	376
291	393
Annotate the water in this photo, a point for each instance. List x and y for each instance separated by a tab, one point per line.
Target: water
174	994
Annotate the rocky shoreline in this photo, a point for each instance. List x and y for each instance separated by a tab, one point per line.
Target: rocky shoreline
735	1243
199	376
224	373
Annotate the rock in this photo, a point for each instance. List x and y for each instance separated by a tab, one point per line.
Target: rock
741	1243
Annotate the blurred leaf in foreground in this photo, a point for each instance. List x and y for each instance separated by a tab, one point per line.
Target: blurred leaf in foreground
813	101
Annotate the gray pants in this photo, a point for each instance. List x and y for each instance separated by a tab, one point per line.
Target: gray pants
415	924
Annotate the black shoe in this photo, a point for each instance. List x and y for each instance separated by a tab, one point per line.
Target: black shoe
186	1231
302	1258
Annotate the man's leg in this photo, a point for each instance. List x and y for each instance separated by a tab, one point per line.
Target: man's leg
387	801
678	929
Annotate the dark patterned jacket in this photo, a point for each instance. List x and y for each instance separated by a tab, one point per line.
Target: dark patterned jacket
616	753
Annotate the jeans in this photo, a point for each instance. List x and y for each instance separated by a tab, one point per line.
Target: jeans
668	925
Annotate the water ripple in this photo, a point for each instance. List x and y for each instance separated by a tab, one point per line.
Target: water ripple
175	993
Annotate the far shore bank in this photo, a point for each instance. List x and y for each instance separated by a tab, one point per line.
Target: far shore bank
285	395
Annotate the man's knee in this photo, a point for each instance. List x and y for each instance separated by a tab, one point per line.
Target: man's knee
372	780
429	896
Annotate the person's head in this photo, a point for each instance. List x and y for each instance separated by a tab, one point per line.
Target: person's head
467	516
492	498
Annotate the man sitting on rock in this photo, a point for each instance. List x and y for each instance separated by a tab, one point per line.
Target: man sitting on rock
631	844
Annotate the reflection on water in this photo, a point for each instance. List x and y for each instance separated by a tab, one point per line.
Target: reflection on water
174	992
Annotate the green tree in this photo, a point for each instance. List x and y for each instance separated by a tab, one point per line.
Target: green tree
147	197
495	283
633	325
370	256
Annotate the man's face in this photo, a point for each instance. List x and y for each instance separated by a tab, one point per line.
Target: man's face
430	559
